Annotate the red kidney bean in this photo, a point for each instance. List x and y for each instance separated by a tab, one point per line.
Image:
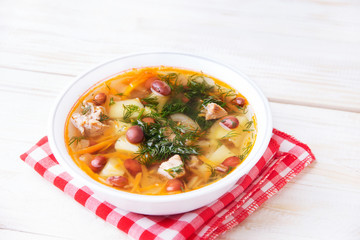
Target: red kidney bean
231	161
230	122
135	134
98	163
174	185
133	166
118	181
239	101
161	87
148	120
99	98
149	82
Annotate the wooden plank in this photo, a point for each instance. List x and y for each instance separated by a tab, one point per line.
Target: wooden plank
301	52
322	202
9	235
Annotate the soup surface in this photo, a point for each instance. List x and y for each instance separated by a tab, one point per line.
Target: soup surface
160	130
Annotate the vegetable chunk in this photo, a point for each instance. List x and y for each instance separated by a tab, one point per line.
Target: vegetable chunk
112	168
122	144
118	109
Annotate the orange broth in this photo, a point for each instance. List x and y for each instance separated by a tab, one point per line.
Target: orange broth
134	84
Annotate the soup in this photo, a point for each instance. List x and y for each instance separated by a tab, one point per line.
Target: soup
160	130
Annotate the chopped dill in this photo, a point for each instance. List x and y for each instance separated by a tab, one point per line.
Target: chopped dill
229	170
75	140
225	92
169	78
172	80
157	147
151	101
112	102
174	106
243	109
177	170
129	110
182	133
86	110
103	117
140	114
211	169
230	134
203	123
246	150
248	130
120	94
198	89
212	99
248	124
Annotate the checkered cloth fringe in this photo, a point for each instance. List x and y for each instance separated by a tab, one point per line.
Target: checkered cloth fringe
284	158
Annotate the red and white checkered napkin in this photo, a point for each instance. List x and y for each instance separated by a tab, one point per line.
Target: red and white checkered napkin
284	158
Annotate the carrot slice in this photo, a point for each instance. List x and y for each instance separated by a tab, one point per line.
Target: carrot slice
96	147
137	182
205	160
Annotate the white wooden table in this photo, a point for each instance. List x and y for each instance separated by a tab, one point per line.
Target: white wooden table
305	55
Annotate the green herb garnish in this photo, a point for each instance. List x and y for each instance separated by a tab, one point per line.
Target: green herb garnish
103	117
111	102
129	110
229	170
86	110
223	93
151	102
248	130
243	109
175	106
230	134
75	140
246	150
172	80
211	169
248	124
177	170
157	147
140	114
196	88
212	99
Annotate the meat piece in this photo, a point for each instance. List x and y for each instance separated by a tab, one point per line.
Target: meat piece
88	121
172	168
214	111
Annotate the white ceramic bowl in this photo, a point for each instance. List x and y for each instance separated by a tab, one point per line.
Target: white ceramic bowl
167	204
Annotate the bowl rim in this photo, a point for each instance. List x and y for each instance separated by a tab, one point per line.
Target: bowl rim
94	185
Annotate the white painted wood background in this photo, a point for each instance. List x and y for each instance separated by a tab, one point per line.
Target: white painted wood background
304	54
